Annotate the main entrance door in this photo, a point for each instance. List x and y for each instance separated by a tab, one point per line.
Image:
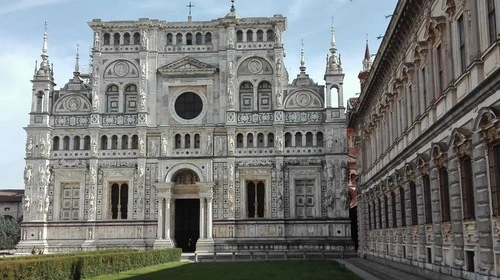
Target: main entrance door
187	223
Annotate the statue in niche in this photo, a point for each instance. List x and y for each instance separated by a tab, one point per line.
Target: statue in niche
144	39
95	99
330	171
92	203
278	67
42	147
100	176
280	201
279	143
343	199
230	39
97	40
27	203
139	172
91	233
230	69
164	146
209	144
27	175
29	146
93	175
40	204
231	142
142	101
140	203
279	98
278	35
330	199
153	148
220	146
230	98
46	204
141	147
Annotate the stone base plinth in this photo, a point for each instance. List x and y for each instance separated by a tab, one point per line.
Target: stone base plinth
205	246
163	243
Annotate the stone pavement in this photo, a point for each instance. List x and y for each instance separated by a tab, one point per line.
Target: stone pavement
371	270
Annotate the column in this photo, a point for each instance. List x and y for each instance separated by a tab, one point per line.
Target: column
202	218
159	233
209	218
166	219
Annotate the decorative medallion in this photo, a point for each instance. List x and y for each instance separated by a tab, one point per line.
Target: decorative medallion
121	69
73	104
255	66
303	99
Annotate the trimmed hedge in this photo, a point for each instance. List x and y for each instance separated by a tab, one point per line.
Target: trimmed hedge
79	266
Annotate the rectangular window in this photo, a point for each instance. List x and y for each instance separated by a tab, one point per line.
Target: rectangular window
70	201
492	22
424	88
130	103
469	256
409	99
494	168
413	203
379	213
255	199
467	188
119	201
304	198
440	70
112	103
369	216
427	199
402	205
445	194
386	208
461	43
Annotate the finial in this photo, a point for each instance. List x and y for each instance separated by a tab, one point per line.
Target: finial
44	55
77	65
233	9
333	47
36	65
190	6
302	59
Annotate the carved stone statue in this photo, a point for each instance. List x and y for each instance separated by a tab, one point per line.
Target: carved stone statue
231	142
279	143
95	100
144	39
142	147
42	147
278	35
153	148
330	199
279	98
46	204
142	101
100	175
97	41
27	175
230	69
209	144
94	146
278	67
29	146
164	146
280	201
92	203
27	203
230	38
220	146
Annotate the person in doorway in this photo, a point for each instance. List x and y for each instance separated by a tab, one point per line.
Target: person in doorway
33	251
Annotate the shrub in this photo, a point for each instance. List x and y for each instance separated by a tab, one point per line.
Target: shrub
83	265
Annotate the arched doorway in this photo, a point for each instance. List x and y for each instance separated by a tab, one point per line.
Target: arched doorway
187	209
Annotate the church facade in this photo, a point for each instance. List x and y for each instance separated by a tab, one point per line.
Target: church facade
427	125
187	134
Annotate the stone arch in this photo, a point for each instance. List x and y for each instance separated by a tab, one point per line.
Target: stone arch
185	166
486	116
302	98
460	140
72	104
254	65
439	152
423	163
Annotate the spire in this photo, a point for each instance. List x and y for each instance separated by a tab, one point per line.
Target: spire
333	47
367	64
302	59
45	56
333	64
232	7
77	65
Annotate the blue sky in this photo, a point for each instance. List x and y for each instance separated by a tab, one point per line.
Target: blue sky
22	26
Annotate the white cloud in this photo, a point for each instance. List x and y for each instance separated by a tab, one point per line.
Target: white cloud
18	5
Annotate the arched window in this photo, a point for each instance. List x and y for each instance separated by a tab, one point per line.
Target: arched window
466	180
298	139
402	206
199	38
260	140
189	39
256	199
112	98
107	39
249	140
86	143
170	39
76	143
126	39
265	92
137	38
130	99
319	139
309	139
239	140
135	142
178	39
119	201
260	35
427	198
249	36
116	39
104	142
288	139
208	38
270	140
177	141
239	36
66	143
187	141
196	141
39	102
270	35
55	143
124	142
114	142
246	97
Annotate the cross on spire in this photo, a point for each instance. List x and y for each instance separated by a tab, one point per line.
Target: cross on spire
190	6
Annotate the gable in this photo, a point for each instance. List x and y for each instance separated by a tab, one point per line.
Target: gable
72	104
302	99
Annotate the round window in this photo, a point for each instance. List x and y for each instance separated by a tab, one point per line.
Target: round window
188	105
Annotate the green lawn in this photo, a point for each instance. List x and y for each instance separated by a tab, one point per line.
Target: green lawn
238	271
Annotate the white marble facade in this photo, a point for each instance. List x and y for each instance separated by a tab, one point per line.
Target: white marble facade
187	134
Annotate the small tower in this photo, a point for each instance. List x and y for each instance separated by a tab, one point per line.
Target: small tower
334	75
43	85
367	64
